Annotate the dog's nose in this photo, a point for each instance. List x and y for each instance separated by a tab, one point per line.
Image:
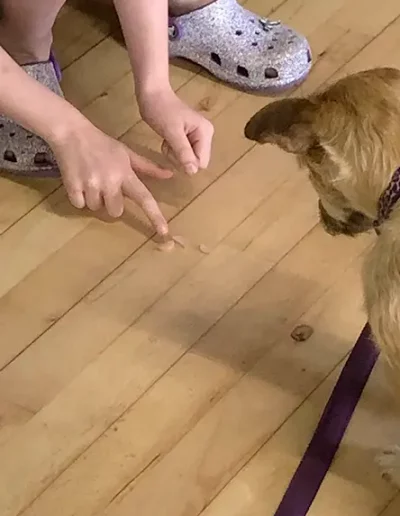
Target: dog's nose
250	131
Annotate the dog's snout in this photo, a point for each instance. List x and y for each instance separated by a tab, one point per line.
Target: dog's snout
251	129
355	223
331	225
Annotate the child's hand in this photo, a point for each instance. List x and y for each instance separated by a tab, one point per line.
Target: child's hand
99	171
187	133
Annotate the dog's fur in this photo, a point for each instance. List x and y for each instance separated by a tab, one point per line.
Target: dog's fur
349	139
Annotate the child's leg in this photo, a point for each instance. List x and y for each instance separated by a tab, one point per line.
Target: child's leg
26	28
178	7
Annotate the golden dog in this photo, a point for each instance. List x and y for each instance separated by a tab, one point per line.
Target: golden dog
348	137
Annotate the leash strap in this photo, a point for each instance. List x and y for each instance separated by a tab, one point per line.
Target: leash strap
321	451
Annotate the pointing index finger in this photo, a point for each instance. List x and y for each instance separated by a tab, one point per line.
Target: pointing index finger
135	190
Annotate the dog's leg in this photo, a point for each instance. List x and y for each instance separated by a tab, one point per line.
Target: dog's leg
389	462
382	294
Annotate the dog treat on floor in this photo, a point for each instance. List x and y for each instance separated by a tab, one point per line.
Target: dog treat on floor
180	241
204	249
302	333
166	247
167	244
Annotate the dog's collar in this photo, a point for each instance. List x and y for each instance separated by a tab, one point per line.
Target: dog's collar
388	200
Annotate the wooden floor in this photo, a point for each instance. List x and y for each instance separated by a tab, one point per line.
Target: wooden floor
134	382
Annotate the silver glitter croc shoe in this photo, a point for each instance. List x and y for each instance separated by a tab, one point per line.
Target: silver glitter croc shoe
21	152
240	48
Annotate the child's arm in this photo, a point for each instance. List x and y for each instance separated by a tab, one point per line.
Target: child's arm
187	133
145	27
96	169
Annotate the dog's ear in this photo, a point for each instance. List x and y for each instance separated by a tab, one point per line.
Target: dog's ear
287	123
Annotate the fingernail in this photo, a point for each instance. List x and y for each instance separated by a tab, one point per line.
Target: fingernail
163	232
191	169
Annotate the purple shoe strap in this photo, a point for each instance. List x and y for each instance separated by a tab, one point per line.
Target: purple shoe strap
321	451
57	68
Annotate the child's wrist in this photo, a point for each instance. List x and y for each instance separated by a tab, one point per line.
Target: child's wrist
146	96
57	132
152	86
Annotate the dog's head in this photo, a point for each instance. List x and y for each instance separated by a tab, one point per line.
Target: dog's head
349	139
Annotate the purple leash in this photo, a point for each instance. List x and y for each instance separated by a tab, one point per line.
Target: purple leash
321	451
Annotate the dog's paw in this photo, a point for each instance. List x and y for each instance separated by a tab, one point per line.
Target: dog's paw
389	463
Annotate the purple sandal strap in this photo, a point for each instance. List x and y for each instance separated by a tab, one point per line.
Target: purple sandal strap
322	449
56	65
